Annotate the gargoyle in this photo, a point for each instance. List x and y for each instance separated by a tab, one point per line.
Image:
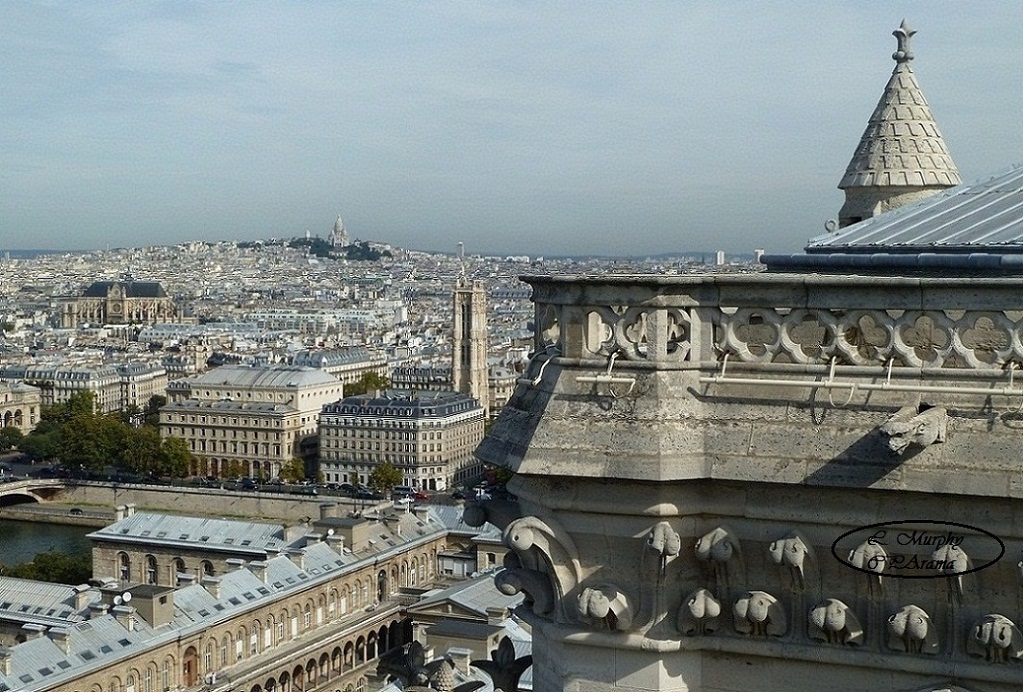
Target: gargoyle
911	425
911	630
834	622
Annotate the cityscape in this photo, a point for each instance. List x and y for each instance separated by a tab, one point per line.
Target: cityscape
338	461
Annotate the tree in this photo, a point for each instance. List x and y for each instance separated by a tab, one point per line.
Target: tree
10	438
90	442
293	471
174	458
40	446
384	477
54	567
138	451
152	409
368	382
232	469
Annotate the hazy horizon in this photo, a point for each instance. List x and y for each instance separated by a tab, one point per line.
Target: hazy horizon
563	128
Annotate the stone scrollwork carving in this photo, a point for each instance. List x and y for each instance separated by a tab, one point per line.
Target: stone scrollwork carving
996	639
719	550
915	426
608	605
639	333
911	630
869	556
980	340
792	552
664	541
952	560
698	615
835	623
543	549
759	614
536	587
718	546
500	513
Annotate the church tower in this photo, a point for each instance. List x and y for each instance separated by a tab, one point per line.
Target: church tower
338	235
469	340
901	157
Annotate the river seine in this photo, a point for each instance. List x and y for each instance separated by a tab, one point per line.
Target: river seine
20	541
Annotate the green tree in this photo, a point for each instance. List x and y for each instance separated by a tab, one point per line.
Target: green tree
152	409
90	442
384	477
368	382
40	446
174	458
10	438
138	450
54	567
293	471
232	469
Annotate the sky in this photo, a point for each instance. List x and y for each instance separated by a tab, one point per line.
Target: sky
539	128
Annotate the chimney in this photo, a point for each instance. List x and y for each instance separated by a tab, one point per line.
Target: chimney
328	510
313	538
258	569
212	584
33	631
119	512
461	657
129	509
125	616
186	579
298	557
82	593
97	610
5	660
271	553
62	638
336	542
234	563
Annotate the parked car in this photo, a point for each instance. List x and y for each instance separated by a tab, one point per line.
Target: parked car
249	484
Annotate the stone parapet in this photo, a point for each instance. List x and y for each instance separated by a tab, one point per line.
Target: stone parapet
692	457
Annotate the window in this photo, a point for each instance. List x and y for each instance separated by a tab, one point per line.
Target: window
124	566
151	569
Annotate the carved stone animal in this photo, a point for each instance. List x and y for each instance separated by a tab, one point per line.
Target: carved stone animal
910	426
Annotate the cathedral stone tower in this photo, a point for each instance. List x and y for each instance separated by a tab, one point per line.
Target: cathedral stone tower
901	157
469	341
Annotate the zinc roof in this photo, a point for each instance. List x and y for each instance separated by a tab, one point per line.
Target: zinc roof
981	217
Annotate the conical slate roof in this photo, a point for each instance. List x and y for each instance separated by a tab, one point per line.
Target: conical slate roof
901	145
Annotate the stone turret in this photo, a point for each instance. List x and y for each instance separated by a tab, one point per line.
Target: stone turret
901	156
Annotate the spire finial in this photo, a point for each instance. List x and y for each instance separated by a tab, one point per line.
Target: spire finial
902	35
